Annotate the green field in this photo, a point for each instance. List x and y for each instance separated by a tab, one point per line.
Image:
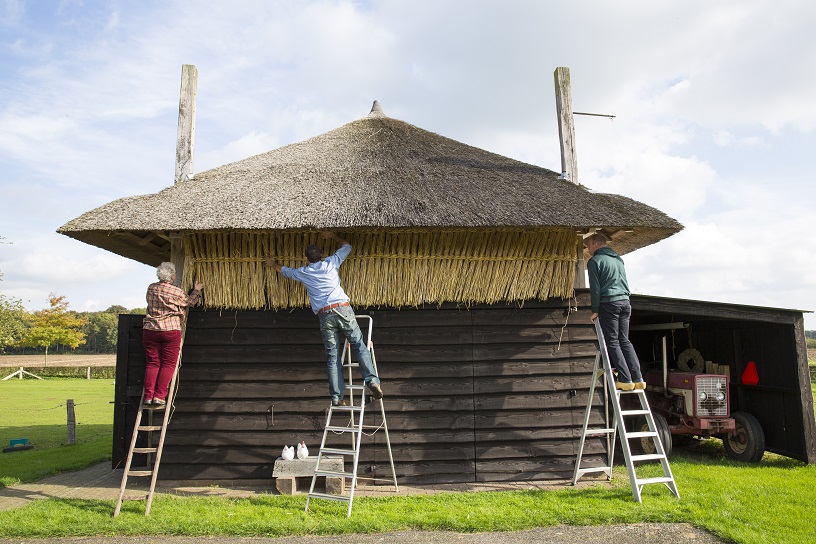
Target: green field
36	409
768	502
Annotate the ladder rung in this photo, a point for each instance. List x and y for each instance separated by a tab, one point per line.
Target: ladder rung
659	480
134	498
648	457
355	387
343	429
634	412
593	469
352	365
337	451
590	432
329	497
145	450
640	434
150	427
333	473
347	408
140	473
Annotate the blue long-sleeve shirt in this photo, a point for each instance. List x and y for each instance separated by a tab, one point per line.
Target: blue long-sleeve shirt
321	279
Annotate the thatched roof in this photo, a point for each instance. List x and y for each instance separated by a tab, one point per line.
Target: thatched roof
373	172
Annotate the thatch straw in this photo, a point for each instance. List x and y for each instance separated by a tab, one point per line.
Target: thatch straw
388	267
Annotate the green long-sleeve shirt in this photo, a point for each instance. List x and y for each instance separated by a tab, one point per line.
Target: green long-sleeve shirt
607	278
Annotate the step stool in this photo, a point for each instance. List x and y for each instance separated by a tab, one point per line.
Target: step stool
286	473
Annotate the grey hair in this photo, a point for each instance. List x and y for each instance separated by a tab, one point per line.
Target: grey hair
598	238
166	271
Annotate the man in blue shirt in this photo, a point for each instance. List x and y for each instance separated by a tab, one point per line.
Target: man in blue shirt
609	297
331	305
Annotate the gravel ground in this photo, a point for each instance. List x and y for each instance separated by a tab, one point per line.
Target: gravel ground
648	533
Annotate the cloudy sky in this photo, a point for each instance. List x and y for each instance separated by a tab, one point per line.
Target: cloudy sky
714	105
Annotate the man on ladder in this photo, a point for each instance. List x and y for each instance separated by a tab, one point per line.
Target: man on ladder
609	295
331	305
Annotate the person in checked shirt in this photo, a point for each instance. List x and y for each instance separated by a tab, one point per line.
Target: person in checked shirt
161	334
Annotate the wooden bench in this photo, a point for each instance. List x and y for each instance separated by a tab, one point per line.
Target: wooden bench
286	474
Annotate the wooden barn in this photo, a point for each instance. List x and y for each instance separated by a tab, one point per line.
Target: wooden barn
469	263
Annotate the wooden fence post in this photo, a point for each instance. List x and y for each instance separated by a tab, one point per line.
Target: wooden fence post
71	422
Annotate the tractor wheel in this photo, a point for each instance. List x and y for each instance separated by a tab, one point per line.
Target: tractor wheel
748	444
646	444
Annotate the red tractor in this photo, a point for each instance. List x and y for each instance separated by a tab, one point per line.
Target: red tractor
687	403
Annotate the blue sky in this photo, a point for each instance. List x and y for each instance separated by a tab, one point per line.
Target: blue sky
714	103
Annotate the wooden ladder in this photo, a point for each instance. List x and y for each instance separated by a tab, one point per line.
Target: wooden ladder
603	370
151	450
354	427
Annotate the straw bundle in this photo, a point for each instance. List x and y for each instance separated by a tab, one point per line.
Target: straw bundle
387	267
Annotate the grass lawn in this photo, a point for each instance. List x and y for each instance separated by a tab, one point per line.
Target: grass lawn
769	502
764	503
36	409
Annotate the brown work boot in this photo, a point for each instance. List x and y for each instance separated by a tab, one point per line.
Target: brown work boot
376	392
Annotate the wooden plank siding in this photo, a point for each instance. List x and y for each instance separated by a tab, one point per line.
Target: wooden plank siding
487	393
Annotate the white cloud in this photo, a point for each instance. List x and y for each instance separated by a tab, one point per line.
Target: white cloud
697	87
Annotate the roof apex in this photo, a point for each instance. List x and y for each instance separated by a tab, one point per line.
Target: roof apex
376	110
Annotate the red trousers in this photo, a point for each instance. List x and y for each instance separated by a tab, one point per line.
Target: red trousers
161	354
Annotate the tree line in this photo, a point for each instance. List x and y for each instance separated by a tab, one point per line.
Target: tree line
57	329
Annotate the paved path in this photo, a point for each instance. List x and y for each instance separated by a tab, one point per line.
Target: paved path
647	533
100	482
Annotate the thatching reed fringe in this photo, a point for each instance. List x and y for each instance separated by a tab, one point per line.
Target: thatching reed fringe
387	267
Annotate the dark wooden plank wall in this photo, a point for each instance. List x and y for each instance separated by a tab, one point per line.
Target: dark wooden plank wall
488	393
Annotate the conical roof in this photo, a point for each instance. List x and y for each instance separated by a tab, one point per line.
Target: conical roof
373	172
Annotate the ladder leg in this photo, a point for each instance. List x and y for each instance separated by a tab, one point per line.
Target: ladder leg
355	427
129	459
576	473
619	427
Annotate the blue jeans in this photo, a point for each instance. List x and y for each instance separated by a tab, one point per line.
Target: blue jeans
335	324
614	318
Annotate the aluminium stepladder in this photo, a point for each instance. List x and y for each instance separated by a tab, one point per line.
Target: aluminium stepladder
152	468
355	411
603	369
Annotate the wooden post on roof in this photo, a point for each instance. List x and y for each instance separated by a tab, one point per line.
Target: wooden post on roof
569	160
566	125
184	153
186	123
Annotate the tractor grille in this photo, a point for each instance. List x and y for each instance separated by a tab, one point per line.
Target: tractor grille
711	385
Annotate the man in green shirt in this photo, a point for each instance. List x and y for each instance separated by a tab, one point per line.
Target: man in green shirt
609	296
